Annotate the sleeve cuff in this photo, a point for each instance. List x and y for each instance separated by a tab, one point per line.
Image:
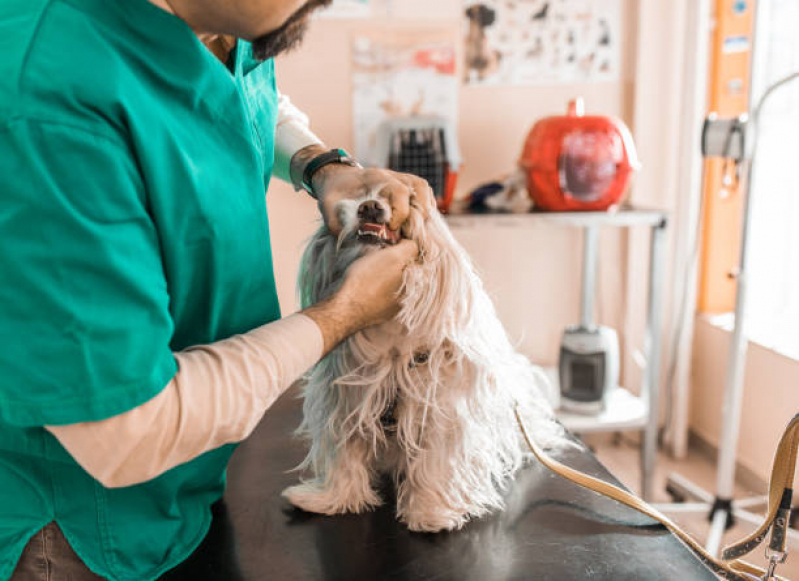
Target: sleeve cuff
292	134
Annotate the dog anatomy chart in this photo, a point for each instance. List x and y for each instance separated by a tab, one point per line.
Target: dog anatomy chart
400	76
541	41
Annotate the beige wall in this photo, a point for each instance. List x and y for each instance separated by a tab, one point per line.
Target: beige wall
532	275
771	397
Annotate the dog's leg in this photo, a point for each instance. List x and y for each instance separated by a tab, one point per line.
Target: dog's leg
346	487
430	497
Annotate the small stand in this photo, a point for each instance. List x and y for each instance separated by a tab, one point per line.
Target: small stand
624	410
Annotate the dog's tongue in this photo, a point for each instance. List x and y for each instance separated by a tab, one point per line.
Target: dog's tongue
383	231
392	236
376	228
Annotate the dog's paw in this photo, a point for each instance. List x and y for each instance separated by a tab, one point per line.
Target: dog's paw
433	522
311	497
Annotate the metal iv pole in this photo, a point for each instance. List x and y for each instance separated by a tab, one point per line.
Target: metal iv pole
736	140
723	507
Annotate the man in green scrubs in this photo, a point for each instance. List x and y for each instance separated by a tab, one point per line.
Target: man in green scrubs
133	226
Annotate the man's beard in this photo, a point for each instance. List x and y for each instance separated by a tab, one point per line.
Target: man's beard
289	35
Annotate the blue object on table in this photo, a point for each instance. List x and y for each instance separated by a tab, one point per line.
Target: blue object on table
478	196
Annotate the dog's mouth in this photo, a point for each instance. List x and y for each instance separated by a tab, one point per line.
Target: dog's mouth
370	233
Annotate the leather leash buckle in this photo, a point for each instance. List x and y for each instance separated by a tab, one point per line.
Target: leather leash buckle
775	558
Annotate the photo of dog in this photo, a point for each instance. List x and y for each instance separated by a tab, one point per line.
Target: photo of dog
534	42
481	61
427	398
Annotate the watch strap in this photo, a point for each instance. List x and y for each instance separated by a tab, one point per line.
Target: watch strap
320	161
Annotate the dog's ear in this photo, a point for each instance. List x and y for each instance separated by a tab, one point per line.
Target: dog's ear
486	16
440	289
316	267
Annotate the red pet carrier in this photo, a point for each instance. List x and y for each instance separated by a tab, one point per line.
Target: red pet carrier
578	162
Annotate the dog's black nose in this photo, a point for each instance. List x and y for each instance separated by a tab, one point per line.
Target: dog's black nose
371	212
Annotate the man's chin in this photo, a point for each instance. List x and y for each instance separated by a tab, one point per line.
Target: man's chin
279	41
289	35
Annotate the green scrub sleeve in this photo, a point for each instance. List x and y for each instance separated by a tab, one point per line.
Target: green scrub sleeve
85	325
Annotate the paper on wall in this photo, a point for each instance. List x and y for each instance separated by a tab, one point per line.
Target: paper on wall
347	9
541	41
397	76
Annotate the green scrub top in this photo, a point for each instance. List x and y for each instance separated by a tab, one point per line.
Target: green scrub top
133	169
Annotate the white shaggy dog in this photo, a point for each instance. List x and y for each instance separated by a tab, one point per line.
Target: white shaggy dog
428	397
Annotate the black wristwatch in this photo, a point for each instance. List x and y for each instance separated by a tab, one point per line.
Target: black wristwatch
320	161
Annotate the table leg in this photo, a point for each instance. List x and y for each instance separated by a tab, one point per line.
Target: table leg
652	344
588	290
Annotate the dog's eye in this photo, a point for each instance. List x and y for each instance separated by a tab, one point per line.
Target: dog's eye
420	359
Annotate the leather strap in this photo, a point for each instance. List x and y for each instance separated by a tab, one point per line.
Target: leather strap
320	161
729	566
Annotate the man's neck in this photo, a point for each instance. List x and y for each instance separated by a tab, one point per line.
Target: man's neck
205	38
219	44
163	5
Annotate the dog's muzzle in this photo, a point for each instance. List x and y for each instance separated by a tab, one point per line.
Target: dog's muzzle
372	228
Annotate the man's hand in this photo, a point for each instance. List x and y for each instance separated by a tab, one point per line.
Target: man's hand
369	295
400	191
336	182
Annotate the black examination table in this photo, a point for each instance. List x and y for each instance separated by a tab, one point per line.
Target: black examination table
551	530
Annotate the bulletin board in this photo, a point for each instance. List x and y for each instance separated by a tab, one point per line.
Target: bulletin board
401	75
533	42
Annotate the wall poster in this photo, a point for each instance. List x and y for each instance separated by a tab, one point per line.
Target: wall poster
519	42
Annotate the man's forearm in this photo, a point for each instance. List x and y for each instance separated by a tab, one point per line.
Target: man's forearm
302	158
218	396
335	322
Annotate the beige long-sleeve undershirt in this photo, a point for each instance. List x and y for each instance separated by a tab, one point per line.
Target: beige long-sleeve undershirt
218	396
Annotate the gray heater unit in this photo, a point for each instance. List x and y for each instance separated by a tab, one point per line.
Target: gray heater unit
588	369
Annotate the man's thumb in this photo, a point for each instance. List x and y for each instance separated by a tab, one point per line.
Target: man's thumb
408	250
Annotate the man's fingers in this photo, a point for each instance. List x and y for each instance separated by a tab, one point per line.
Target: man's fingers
398	197
329	213
421	193
407	250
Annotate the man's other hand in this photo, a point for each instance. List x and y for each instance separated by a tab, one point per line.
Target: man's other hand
369	296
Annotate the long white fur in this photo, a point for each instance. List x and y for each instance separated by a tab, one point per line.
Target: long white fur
456	442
